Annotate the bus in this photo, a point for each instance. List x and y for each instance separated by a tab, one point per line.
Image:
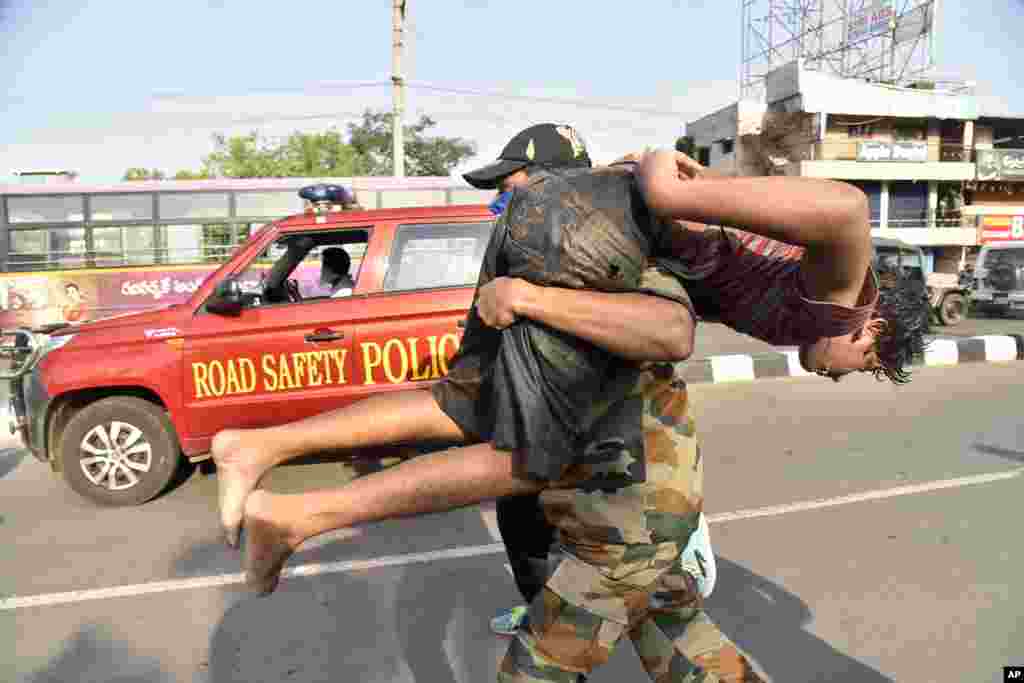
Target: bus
74	252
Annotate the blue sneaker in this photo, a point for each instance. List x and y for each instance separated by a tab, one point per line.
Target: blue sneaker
699	560
507	623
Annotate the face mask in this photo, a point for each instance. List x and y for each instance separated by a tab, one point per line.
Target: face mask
500	202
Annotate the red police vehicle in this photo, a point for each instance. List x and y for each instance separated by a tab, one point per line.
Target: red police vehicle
275	334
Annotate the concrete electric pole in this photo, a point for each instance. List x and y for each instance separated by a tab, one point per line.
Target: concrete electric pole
398	87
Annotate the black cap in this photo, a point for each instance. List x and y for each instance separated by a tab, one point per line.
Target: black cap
546	144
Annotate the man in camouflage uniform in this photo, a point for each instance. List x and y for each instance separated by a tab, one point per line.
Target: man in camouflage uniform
615	568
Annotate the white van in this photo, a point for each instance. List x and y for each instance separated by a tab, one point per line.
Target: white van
999	278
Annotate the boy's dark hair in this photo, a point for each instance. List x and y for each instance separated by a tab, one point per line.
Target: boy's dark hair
903	304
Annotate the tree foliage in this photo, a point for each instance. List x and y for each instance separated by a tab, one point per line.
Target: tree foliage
368	151
424	155
139	173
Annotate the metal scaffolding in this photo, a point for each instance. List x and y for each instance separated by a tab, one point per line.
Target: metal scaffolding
889	41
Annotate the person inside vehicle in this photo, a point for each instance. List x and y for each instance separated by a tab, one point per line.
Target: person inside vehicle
335	264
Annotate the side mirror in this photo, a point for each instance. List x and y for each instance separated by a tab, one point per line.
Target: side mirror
227	298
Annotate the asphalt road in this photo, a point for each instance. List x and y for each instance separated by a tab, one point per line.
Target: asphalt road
863	533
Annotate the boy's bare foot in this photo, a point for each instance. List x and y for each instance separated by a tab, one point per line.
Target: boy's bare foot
267	544
238	475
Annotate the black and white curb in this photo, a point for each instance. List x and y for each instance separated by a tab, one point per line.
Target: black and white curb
786	362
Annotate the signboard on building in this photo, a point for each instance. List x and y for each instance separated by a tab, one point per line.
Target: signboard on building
874	18
872	150
1001	229
1000	164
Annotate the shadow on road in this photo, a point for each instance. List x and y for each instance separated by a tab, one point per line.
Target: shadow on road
441	617
999	451
94	655
10	458
419	621
430	626
324	629
770	624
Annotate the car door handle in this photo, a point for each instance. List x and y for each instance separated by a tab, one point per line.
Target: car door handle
325	336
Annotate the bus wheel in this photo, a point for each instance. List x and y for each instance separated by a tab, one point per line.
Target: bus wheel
119	451
953	309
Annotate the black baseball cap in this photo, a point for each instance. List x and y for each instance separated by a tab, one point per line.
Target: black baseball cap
546	144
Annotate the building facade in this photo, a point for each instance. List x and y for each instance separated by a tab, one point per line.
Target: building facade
936	162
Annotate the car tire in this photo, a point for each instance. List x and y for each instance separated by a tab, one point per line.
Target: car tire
119	451
953	309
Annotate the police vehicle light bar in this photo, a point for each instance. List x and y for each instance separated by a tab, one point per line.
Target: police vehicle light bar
327	194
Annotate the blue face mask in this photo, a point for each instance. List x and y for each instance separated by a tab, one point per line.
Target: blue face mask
500	202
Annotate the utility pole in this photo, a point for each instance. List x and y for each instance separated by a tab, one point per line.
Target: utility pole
397	88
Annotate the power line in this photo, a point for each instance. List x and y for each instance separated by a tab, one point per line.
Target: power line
270	90
472	92
587	104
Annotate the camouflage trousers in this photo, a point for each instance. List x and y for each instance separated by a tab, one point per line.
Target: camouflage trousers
614	569
584	611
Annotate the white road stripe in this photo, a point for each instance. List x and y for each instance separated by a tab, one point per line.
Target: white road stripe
318	569
732	368
878	494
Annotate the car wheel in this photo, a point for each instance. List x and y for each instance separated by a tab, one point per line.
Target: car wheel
119	451
953	309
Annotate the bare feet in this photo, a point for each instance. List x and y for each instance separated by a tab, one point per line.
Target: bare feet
267	543
238	474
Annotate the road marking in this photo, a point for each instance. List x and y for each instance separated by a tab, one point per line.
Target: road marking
878	494
489	515
319	569
732	368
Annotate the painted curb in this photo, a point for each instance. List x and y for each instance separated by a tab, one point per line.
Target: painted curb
785	363
993	348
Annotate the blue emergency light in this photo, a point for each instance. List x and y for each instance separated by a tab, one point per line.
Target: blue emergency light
329	194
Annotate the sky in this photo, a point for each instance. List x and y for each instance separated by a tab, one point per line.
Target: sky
97	87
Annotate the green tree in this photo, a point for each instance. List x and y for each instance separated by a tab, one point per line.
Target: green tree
186	174
319	154
139	173
300	155
424	155
244	156
309	155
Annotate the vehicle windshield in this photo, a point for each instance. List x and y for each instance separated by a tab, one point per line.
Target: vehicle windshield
1012	257
907	261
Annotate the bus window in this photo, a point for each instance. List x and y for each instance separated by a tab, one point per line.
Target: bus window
397	199
193	205
29	250
121	207
59	209
269	204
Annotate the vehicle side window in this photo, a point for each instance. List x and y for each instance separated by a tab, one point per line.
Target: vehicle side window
315	265
911	265
437	255
1011	257
887	260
